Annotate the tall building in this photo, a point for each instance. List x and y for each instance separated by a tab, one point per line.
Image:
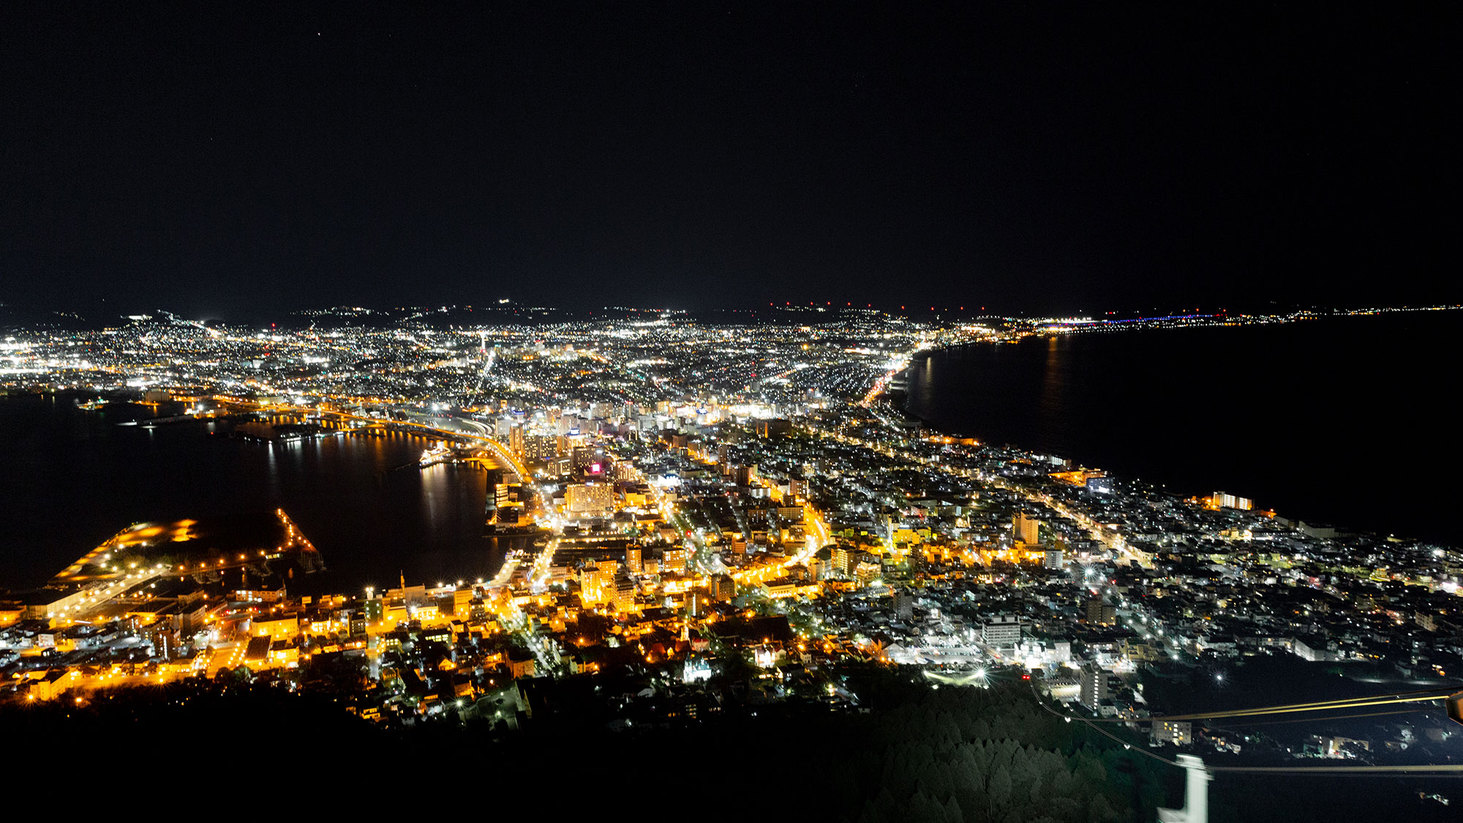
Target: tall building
1092	686
568	422
845	559
1002	632
539	447
589	585
1174	732
1027	529
773	428
510	501
795	490
1099	612
597	582
1224	500
585	456
624	592
723	587
589	499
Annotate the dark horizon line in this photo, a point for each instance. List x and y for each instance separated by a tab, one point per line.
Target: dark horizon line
1272	308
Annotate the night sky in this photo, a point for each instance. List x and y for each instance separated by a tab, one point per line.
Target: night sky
235	159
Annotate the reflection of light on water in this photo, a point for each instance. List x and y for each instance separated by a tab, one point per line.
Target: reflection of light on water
431	478
353	495
1053	389
273	473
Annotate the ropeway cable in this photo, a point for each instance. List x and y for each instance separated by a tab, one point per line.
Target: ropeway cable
1312	719
1431	770
1420	696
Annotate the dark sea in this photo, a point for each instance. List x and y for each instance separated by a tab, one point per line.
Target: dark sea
71	478
1351	421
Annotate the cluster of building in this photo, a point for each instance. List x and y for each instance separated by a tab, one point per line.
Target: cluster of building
713	514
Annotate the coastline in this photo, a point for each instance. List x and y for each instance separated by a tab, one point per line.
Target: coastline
926	400
341	491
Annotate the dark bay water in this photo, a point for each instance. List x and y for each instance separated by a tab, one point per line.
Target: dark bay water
69	479
1346	420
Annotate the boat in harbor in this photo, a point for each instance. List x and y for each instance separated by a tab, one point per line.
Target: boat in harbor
439	453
